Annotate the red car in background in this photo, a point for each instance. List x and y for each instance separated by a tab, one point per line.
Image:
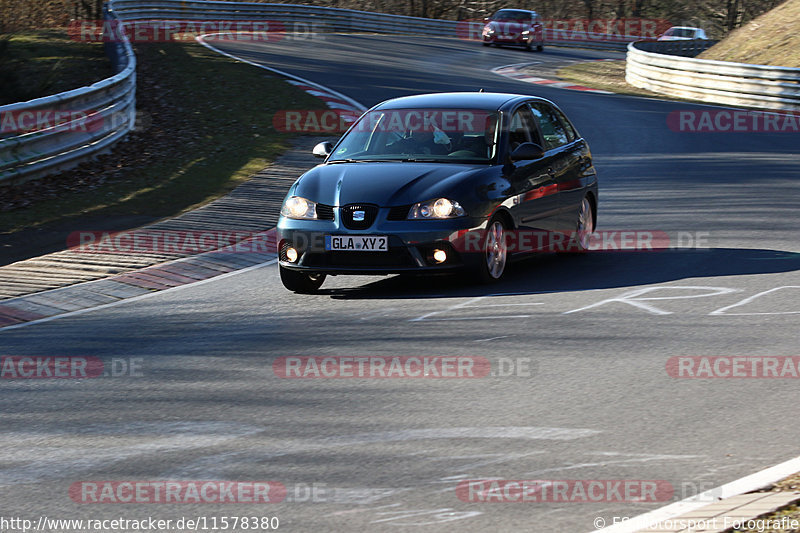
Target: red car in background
517	27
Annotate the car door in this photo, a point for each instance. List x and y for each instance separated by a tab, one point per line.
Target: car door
568	157
534	189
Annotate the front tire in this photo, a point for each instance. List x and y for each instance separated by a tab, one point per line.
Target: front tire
301	282
494	254
540	48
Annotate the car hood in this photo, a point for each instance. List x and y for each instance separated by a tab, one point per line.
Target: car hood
508	26
385	184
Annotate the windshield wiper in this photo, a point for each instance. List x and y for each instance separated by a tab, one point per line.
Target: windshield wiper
443	160
345	161
408	160
361	161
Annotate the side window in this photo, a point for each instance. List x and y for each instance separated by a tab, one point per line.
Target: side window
571	133
520	127
554	132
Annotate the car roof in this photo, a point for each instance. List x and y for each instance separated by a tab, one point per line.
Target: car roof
684	28
514	9
460	100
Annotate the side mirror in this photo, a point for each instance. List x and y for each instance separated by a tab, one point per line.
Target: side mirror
527	151
323	149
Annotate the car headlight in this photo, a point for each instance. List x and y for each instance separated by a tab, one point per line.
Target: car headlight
488	30
439	208
526	32
297	207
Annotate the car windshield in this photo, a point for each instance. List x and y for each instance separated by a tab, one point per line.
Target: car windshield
439	135
681	32
512	16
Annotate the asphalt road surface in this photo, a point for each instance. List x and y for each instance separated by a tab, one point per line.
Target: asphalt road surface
592	400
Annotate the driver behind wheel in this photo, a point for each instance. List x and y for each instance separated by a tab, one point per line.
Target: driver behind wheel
480	146
422	142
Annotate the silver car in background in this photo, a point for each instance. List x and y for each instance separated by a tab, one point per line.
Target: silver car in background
683	33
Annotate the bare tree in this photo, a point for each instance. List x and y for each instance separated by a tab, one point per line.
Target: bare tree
718	16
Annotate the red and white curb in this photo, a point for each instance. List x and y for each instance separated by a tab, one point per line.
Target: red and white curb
134	285
514	72
332	101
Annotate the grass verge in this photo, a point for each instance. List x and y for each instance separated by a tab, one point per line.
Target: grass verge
603	75
207	128
39	63
771	39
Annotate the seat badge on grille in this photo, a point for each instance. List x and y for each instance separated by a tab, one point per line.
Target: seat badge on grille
358	216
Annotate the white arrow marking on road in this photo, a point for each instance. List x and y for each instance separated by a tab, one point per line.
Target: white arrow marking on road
751	298
632	298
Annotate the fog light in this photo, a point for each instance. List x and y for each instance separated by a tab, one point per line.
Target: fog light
291	255
439	256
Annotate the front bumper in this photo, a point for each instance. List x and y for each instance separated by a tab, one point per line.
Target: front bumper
411	245
512	39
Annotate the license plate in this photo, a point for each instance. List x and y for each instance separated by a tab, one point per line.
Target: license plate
357	243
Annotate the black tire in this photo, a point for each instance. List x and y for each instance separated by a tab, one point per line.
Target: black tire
485	43
584	227
540	48
494	253
301	281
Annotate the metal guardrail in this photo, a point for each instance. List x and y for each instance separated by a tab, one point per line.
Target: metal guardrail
686	48
337	20
659	67
57	132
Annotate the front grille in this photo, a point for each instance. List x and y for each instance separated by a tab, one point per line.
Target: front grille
324	212
398	213
368	211
395	257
